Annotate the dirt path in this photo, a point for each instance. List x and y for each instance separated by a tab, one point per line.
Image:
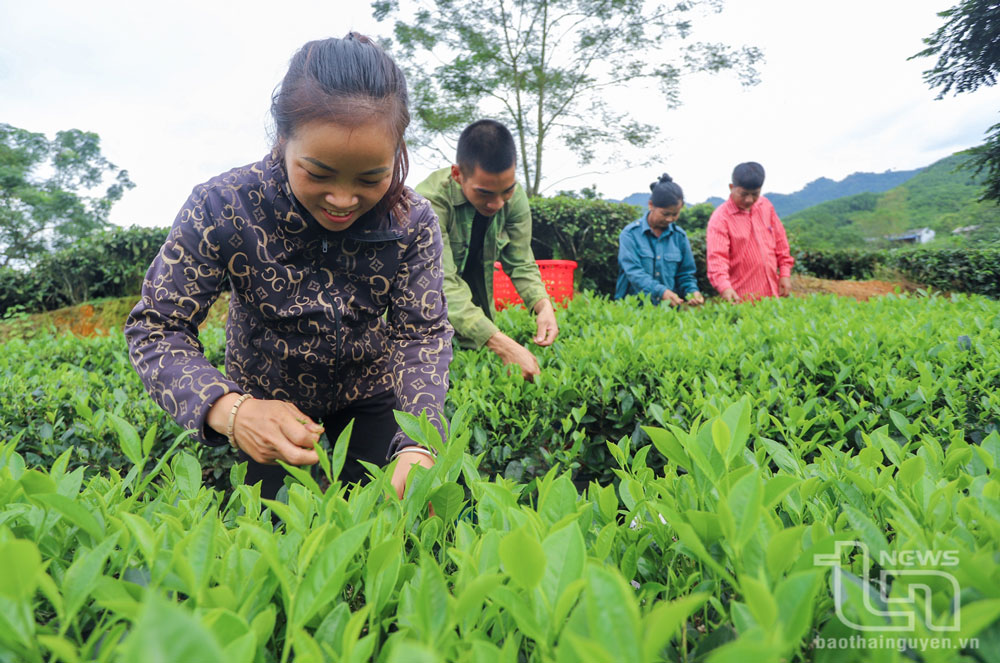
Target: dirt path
89	319
860	290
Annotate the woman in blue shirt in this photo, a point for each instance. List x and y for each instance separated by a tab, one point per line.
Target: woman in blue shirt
654	254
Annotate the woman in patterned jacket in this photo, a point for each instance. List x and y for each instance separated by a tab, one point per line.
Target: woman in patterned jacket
334	270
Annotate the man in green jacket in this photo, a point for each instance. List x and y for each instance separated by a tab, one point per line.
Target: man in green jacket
485	217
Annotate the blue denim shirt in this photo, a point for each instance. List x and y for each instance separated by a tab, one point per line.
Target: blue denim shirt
649	264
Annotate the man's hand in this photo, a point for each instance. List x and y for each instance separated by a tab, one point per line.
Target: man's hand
694	299
730	296
268	430
512	352
545	320
784	286
405	462
671	296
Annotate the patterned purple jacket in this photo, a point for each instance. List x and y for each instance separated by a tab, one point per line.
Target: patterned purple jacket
318	318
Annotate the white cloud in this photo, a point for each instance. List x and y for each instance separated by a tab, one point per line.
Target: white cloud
180	91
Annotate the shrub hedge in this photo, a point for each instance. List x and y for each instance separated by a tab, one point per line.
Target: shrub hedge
839	264
817	371
582	230
820	370
974	270
962	270
587	231
106	264
112	263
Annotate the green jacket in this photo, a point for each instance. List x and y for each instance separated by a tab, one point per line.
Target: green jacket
508	239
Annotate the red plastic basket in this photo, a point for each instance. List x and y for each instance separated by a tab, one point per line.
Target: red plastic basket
557	275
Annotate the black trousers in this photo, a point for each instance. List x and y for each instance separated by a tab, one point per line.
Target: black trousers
374	428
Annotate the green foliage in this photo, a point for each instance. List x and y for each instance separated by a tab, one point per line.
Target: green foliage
109	263
695	217
943	197
40	212
539	66
718	555
18	292
819	371
698	249
60	394
974	270
587	231
840	264
985	160
967	48
583	230
963	270
586	193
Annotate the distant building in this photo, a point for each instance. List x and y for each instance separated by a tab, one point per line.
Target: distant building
964	229
917	236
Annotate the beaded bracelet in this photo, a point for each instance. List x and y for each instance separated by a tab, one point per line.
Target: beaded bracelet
426	452
232	419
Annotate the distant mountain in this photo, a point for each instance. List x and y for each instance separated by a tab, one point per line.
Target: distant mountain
942	197
824	189
640	199
817	191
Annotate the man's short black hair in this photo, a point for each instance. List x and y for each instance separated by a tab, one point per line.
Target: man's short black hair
487	144
749	175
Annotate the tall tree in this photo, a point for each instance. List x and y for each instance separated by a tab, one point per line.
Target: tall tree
548	68
967	48
44	191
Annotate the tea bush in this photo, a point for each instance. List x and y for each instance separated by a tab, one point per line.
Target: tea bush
960	270
582	230
112	263
106	264
674	487
840	264
56	393
972	270
587	231
818	371
721	555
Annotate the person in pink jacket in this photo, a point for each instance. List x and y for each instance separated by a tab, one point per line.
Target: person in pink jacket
747	249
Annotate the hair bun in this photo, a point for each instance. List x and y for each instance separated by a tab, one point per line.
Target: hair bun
664	178
357	36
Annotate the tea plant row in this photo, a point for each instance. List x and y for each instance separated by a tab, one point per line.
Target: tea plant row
716	557
817	371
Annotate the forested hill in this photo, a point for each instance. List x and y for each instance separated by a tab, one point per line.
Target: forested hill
824	189
817	191
942	197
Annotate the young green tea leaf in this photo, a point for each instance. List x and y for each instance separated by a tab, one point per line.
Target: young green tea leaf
22	564
166	633
523	557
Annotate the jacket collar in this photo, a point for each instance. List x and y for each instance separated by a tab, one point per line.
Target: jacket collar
455	195
644	226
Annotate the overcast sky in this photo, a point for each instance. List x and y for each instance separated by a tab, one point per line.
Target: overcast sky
179	91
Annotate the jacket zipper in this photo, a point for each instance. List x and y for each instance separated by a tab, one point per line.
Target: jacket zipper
336	358
339	344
